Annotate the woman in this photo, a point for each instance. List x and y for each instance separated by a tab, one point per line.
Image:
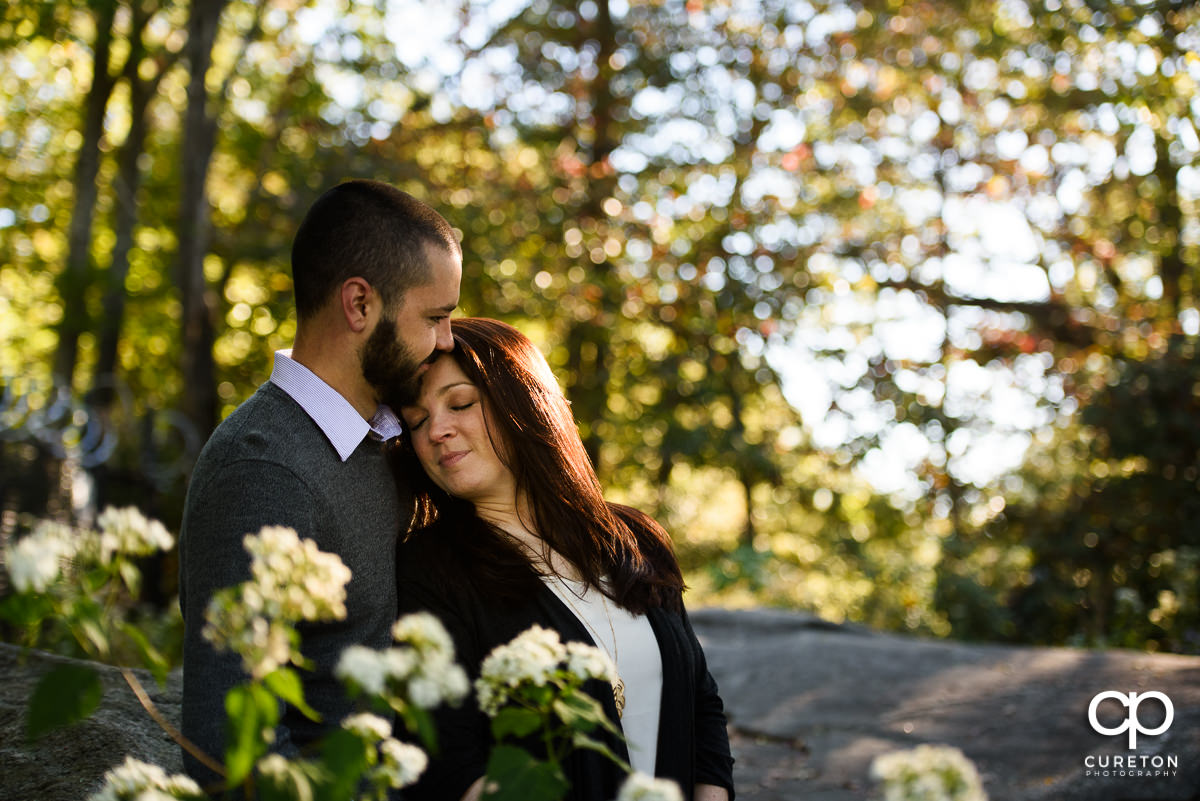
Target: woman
511	529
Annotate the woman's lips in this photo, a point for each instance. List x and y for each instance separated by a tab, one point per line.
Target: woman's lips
452	458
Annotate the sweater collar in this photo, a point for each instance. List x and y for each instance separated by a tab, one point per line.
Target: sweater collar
342	425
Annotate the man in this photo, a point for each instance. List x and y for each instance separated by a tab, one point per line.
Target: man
376	275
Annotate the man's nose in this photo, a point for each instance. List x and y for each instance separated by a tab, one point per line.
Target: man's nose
445	340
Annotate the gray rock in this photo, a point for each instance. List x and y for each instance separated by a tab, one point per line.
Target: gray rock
70	763
810	705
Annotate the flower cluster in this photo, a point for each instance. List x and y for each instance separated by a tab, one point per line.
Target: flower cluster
291	580
139	781
536	657
368	726
399	764
420	672
640	787
35	560
928	773
126	532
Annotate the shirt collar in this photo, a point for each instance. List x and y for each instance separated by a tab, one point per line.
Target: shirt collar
341	423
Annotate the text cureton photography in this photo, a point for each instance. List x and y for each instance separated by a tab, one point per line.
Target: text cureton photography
1131	764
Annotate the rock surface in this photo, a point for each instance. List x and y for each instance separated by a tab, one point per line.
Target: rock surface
69	764
810	705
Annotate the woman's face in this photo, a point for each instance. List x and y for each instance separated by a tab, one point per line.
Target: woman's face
448	428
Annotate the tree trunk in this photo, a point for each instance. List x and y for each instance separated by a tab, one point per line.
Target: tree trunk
129	178
589	340
742	449
73	282
198	369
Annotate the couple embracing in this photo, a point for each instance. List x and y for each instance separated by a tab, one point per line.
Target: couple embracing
440	460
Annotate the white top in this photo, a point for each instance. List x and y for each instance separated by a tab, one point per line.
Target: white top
639	663
333	414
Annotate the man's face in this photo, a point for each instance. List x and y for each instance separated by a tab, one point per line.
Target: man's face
406	338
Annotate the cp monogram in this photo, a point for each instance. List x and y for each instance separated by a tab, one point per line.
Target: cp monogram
1132	724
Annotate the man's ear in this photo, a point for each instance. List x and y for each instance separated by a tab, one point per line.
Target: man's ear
360	304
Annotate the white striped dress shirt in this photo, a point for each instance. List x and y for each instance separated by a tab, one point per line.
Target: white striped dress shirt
333	414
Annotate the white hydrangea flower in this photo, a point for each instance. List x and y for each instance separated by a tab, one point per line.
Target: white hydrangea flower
420	671
532	657
363	667
424	632
401	763
455	684
291	580
264	644
425	692
273	765
399	663
928	773
291	779
296	580
135	780
588	662
34	562
640	787
368	726
127	531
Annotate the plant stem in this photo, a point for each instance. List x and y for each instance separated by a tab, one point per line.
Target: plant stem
166	726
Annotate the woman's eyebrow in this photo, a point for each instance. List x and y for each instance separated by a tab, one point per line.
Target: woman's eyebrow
443	390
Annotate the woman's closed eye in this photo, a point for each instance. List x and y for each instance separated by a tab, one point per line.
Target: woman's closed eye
416	425
462	407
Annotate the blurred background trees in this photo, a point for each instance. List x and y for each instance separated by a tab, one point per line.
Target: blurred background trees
888	310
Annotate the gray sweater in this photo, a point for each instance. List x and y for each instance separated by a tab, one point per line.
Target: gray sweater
269	464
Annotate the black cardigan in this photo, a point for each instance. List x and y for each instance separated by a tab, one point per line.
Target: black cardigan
693	745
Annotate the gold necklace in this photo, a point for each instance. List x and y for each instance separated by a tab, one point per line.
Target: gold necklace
618	686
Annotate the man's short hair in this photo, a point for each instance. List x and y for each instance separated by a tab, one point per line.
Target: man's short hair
368	229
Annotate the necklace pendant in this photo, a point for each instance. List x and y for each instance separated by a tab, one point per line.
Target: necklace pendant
619	696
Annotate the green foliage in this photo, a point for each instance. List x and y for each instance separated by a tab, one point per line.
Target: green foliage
285	684
359	758
252	713
1116	545
679	203
66	694
518	776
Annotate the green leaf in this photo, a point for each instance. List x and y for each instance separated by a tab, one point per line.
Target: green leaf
26	609
66	694
252	711
514	775
151	656
286	684
91	620
515	721
419	722
579	710
344	757
581	740
130	575
299	782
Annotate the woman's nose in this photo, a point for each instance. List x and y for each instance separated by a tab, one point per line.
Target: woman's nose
439	428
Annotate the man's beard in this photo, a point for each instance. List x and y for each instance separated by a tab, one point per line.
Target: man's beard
389	365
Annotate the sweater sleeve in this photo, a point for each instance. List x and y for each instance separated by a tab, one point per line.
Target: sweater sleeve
240	499
463	732
714	762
